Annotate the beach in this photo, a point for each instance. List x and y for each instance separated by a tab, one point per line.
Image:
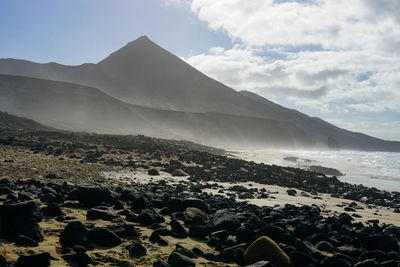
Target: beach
146	201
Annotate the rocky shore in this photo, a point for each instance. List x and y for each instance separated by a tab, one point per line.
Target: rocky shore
57	208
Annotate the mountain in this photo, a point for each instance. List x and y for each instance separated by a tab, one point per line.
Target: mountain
142	73
144	77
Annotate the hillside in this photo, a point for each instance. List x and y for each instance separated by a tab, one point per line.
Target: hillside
81	108
10	121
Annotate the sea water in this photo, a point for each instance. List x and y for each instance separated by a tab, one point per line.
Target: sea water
372	169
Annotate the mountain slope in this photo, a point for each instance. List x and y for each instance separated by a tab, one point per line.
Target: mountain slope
144	74
10	121
76	107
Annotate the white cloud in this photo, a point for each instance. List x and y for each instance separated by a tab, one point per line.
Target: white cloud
321	53
334	24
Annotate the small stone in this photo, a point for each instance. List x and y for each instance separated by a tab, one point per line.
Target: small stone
137	250
179	172
176	259
153	172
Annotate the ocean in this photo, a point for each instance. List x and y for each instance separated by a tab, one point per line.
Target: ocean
372	169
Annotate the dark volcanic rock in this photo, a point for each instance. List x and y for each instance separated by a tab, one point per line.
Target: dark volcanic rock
129	195
199	228
175	205
140	203
277	234
124	230
5	190
245	233
160	264
25	196
301	259
377	255
225	220
25	241
196	203
178	230
91	195
261	264
104	237
75	233
176	259
52	210
383	242
325	246
367	263
137	250
21	219
80	259
291	192
103	213
37	260
154	237
153	172
149	216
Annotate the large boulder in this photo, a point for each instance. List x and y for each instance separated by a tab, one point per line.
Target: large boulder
21	219
265	249
91	195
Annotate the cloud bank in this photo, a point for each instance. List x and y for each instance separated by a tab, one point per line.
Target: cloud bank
320	53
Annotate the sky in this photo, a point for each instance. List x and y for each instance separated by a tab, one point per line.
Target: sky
334	59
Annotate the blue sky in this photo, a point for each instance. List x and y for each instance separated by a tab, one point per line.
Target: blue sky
335	59
78	31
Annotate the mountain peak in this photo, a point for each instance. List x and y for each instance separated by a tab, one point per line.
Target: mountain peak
137	48
142	40
143	37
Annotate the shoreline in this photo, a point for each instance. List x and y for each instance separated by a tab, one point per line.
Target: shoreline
348	162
